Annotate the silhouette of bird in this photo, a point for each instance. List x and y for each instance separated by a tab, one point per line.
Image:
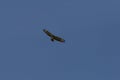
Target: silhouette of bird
53	37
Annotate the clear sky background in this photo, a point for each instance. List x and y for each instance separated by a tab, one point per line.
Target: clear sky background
91	29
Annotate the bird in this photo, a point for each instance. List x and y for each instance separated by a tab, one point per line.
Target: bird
53	37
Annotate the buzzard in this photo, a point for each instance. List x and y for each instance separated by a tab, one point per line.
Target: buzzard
53	37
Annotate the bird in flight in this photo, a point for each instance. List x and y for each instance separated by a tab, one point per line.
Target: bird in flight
53	37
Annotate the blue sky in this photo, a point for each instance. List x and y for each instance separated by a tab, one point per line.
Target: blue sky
91	29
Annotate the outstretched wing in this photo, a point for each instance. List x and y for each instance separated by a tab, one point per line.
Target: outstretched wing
59	39
48	33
